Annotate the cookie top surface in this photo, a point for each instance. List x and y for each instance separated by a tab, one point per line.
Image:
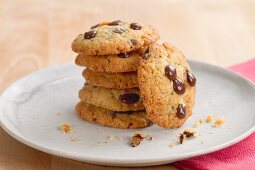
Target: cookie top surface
105	117
123	62
167	86
112	99
114	38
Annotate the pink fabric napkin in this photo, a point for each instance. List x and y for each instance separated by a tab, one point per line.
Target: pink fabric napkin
237	156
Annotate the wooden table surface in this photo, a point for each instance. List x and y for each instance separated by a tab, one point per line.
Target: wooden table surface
37	34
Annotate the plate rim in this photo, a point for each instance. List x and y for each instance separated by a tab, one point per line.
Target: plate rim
119	161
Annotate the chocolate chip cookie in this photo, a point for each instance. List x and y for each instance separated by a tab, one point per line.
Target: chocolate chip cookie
105	117
114	37
167	85
111	80
112	99
123	62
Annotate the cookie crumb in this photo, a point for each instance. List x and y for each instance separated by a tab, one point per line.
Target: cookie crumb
218	122
201	121
137	139
58	113
187	133
172	145
112	137
65	128
209	118
181	138
148	137
190	133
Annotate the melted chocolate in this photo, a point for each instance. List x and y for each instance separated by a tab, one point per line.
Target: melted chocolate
181	111
191	78
170	72
179	86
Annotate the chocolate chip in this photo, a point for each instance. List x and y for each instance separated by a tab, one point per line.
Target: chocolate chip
90	34
181	111
133	42
94	26
124	55
188	134
135	26
114	23
181	138
179	86
170	72
129	98
146	54
191	79
119	30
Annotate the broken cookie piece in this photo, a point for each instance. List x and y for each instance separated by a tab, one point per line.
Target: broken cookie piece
187	133
138	137
190	133
65	128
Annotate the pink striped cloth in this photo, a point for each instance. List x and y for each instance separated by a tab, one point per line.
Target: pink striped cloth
238	156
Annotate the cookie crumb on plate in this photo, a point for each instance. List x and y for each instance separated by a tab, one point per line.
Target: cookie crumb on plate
209	118
187	133
201	121
65	128
112	137
138	137
218	122
190	133
148	137
181	138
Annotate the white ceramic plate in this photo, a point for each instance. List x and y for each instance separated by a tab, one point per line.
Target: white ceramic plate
29	110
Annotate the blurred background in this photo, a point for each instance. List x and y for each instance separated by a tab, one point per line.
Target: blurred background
38	33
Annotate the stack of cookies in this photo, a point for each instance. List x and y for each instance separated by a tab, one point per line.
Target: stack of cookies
111	53
132	82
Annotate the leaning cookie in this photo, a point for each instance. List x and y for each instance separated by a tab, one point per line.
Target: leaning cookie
114	38
167	86
105	117
112	99
111	80
124	62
